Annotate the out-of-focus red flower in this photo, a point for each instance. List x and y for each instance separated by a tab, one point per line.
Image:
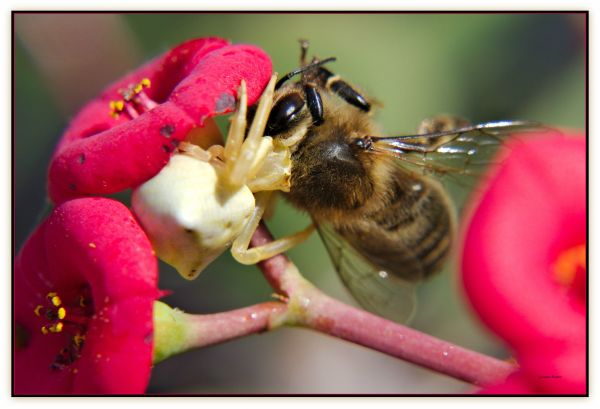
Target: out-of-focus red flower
84	287
524	263
127	134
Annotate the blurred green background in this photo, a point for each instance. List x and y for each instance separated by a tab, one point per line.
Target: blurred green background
479	66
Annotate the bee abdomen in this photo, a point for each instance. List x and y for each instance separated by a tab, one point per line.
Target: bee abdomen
432	245
410	235
398	212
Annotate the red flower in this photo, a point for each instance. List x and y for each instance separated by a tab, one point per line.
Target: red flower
84	287
127	134
524	264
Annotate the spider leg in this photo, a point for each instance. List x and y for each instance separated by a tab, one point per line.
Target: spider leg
195	151
240	248
245	157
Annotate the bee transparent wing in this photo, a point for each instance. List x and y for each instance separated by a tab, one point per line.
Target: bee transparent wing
378	292
465	151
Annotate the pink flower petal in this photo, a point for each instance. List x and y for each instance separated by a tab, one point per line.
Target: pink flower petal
195	81
561	372
533	210
105	248
516	384
118	350
86	243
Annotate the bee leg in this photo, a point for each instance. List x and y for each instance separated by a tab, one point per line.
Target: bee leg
441	123
240	248
241	155
315	104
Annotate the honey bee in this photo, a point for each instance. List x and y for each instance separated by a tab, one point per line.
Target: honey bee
378	203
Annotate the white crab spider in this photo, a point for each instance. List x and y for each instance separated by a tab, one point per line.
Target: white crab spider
203	201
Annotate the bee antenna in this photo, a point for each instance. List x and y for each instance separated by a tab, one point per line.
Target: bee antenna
300	70
303	50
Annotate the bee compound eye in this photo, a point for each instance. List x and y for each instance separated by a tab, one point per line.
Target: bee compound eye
284	113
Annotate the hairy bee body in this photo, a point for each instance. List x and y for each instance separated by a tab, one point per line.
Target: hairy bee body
401	222
377	201
410	232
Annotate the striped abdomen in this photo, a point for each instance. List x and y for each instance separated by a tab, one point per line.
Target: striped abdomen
410	233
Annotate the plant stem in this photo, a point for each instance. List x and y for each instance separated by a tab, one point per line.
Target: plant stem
343	321
309	307
176	331
211	329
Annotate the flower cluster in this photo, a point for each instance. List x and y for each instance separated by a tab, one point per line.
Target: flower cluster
86	279
86	315
524	263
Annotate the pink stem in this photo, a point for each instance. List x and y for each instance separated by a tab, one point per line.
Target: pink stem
343	321
211	329
333	317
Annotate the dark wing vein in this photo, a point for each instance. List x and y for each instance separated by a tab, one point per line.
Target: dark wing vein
462	151
457	158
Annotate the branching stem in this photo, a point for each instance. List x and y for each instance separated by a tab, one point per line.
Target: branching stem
302	304
309	307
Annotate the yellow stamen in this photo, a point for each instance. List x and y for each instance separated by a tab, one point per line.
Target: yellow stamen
78	339
57	323
145	83
138	88
58	327
116	107
568	262
37	310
